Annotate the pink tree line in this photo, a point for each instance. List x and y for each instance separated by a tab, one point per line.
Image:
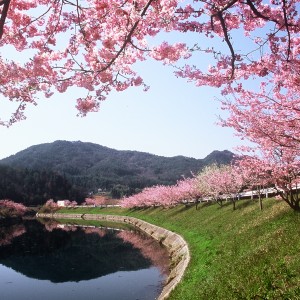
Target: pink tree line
211	184
214	183
253	173
184	190
278	167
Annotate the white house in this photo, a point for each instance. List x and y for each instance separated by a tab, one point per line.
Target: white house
61	203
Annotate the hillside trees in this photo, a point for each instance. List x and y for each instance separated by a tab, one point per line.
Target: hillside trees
94	45
88	166
34	187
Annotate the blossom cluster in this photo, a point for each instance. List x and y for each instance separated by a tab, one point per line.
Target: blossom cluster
9	208
94	45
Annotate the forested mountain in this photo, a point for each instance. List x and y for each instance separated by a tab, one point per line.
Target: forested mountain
91	166
35	187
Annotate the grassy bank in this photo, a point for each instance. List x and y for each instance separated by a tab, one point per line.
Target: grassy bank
241	254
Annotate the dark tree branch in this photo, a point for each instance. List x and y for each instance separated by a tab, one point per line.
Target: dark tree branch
258	14
287	29
5	4
219	14
227	40
231	3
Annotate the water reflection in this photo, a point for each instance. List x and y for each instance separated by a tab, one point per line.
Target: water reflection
71	262
8	233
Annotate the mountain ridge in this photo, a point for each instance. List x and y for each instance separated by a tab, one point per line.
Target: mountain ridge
95	166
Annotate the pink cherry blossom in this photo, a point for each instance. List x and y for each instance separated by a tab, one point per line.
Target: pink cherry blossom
9	208
94	45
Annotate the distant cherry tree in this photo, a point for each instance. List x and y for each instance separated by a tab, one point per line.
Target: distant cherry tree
9	208
98	201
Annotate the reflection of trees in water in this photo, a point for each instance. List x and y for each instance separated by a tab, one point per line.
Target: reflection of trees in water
8	234
149	248
70	254
51	225
94	230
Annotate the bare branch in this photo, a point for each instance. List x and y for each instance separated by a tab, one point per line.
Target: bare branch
287	29
227	40
5	4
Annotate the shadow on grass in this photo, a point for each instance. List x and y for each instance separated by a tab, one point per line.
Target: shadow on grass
241	204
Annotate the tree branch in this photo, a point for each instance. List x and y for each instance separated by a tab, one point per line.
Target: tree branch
287	29
128	38
258	14
5	4
227	40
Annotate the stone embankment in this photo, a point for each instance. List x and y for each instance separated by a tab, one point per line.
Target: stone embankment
175	244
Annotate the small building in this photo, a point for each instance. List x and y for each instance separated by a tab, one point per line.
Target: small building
61	203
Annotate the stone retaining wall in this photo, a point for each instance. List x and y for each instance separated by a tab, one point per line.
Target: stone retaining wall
175	244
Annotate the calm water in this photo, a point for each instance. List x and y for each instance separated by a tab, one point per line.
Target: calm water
56	261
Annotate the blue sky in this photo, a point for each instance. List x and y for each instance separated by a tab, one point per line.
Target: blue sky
173	118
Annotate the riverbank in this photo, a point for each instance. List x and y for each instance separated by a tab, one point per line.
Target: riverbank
241	254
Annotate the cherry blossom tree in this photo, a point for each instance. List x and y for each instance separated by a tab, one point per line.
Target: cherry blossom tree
70	203
277	167
51	203
283	165
94	45
231	182
270	121
9	208
98	201
49	206
208	183
257	175
153	196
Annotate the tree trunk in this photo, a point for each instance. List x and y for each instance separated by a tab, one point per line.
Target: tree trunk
260	198
289	199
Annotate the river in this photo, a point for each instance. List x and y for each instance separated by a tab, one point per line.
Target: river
50	260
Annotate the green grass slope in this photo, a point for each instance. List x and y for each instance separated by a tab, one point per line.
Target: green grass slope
241	254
